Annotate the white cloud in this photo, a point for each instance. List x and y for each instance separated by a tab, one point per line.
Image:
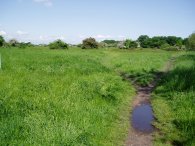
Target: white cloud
19	32
50	38
47	3
2	32
102	36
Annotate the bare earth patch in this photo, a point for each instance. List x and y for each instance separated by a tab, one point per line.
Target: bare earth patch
141	134
135	136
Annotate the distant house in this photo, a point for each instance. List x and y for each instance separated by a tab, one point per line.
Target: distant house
121	45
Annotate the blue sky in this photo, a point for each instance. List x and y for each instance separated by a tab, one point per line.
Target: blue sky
42	21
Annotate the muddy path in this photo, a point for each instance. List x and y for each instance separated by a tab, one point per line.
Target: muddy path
141	118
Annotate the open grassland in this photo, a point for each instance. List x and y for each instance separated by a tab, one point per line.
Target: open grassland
174	103
69	97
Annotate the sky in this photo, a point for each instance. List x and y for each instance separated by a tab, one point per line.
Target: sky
43	21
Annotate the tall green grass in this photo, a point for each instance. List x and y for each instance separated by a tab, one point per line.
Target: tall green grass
68	97
174	103
138	64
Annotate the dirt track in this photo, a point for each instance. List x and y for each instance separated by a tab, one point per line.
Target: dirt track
135	136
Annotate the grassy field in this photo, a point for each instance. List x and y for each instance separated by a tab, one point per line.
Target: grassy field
174	103
71	97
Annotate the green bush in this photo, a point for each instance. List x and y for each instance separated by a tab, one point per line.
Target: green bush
191	41
172	48
102	45
2	41
79	45
13	43
130	44
143	41
160	41
110	43
6	45
165	46
58	45
89	43
22	45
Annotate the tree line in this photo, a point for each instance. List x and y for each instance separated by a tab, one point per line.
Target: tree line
143	41
14	43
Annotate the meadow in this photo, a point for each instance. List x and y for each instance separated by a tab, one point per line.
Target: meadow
174	103
78	97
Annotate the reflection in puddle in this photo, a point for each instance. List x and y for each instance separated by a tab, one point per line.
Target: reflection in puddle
142	118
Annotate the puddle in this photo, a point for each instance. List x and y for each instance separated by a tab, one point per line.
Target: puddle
142	118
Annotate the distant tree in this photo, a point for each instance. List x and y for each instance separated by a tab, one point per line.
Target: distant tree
79	45
191	41
146	44
130	44
168	47
29	44
13	43
165	46
160	41
58	44
174	41
157	42
102	45
6	45
179	43
111	43
89	43
185	42
143	41
2	41
24	45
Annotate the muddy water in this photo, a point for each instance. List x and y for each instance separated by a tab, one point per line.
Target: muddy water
142	118
142	115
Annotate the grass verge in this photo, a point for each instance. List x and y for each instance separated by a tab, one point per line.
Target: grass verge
174	103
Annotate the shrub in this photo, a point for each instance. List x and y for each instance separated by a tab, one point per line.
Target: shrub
185	42
2	41
130	44
173	40
22	45
143	41
58	45
111	43
79	45
168	47
13	43
6	45
89	43
165	46
172	48
102	45
160	41
191	41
